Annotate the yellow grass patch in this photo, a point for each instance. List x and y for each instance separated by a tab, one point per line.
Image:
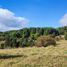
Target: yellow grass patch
35	57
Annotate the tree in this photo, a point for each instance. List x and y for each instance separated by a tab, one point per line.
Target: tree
32	30
26	33
31	42
18	34
7	40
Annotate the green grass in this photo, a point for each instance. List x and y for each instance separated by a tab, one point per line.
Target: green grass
35	57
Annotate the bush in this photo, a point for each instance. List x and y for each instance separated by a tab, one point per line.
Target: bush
31	42
2	46
65	36
45	41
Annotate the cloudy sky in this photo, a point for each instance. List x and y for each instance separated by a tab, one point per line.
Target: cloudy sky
17	14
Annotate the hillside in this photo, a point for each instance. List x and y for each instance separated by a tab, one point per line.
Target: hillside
27	36
35	57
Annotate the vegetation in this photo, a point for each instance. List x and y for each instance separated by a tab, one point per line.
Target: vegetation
62	30
45	41
28	36
24	37
65	36
35	57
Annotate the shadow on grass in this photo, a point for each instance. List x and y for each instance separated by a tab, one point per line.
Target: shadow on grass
5	56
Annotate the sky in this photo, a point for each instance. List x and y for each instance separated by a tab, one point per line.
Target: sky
17	14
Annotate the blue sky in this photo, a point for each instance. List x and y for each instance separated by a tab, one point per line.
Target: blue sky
39	13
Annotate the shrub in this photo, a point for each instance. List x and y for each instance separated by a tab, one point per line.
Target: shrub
45	41
2	46
31	42
65	36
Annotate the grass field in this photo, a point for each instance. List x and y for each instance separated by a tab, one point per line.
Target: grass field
35	57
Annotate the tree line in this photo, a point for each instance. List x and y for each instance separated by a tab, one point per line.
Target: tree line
27	36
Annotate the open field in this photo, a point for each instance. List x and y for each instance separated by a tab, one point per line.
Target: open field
35	57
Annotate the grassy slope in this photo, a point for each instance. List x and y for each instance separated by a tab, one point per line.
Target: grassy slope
35	57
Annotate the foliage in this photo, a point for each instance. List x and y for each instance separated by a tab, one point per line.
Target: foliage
65	36
62	30
45	41
27	36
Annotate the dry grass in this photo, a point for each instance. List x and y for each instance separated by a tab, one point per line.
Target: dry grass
35	57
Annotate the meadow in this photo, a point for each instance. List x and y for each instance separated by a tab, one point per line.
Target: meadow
51	56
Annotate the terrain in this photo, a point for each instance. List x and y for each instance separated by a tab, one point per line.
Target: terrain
35	56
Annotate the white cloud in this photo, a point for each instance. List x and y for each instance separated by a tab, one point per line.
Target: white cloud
63	20
8	20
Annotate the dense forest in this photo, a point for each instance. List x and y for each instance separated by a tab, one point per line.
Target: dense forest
28	36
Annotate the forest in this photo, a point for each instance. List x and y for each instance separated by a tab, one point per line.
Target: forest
29	37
